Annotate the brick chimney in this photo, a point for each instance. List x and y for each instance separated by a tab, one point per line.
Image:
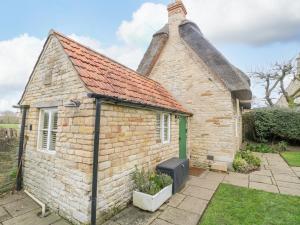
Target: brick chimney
177	13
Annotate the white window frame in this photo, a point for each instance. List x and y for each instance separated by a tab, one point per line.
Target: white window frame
158	128
49	130
163	128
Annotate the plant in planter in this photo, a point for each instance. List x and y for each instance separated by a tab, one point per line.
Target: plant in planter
151	189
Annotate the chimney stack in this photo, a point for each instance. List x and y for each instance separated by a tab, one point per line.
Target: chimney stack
298	65
177	11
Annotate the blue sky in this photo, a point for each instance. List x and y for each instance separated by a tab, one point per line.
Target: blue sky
99	19
250	33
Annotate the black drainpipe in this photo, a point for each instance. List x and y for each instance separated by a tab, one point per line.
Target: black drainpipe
21	148
95	162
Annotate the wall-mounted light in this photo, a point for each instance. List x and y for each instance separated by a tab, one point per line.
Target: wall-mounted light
73	103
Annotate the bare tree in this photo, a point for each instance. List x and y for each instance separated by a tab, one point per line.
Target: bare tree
274	80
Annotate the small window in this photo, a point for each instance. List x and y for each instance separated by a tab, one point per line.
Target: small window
163	127
166	128
48	129
158	128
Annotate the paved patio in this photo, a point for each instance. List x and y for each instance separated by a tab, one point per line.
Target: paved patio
19	209
188	206
185	207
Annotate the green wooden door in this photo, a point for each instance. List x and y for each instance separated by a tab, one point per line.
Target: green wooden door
182	137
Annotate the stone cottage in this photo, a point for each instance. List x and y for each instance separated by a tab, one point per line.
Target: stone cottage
204	82
88	120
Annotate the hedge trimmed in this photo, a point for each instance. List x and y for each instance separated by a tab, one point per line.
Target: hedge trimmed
268	124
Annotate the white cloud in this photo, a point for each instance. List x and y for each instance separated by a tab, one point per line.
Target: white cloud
17	58
253	22
145	21
250	22
247	21
124	53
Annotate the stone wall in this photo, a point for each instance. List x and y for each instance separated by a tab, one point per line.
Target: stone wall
127	139
61	180
8	158
213	125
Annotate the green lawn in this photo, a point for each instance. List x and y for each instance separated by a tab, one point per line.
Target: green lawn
292	158
9	126
232	205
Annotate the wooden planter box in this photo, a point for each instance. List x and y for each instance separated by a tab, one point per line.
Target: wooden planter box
151	202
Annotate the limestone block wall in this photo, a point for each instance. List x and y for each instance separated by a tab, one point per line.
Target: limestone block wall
127	139
61	180
212	127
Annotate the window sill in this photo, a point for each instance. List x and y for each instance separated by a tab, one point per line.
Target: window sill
47	152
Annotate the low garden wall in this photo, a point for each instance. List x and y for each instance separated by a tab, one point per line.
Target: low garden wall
8	158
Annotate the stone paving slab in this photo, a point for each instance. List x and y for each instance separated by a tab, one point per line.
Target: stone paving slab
60	222
133	216
4	215
241	180
286	178
192	204
176	200
179	216
198	192
31	218
264	187
11	197
289	191
260	179
161	222
288	185
204	183
21	207
262	173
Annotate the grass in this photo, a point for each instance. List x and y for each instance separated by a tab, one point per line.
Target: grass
292	158
232	205
16	126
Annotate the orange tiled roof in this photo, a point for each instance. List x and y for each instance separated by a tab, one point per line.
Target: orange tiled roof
106	77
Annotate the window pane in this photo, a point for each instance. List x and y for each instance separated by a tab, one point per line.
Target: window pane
45	120
44	139
166	127
158	127
52	141
48	128
54	121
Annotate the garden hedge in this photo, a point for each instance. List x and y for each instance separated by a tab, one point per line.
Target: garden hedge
268	124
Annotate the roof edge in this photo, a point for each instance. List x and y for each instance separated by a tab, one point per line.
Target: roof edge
135	103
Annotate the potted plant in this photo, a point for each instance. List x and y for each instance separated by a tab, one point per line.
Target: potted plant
151	189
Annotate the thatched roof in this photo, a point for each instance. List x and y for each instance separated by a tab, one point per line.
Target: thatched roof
233	78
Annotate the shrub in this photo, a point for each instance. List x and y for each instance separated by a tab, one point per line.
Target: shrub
267	124
264	148
246	161
150	182
240	164
281	146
